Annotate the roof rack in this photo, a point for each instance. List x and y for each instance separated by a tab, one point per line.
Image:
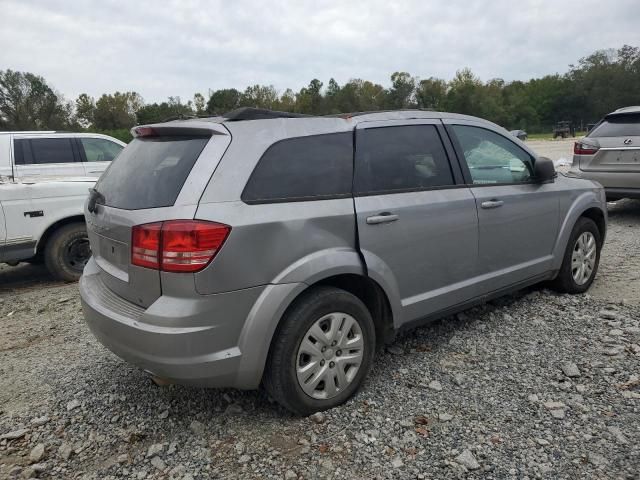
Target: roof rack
250	113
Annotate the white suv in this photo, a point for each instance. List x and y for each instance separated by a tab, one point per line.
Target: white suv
29	154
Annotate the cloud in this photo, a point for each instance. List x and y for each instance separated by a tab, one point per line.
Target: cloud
182	47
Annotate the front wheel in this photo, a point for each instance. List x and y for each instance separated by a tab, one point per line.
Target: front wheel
581	258
322	352
67	252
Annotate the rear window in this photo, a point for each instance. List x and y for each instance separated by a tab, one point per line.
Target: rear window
622	126
303	168
150	172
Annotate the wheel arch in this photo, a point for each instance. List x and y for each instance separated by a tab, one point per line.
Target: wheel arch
46	235
267	314
598	217
586	205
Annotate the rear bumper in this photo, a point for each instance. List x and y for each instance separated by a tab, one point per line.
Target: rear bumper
614	193
616	184
184	340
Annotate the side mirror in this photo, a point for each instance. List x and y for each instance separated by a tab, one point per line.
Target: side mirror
544	170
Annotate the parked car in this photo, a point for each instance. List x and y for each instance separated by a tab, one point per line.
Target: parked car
43	221
29	154
232	252
610	154
519	134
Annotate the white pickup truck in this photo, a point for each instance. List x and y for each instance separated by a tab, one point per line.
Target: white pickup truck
42	220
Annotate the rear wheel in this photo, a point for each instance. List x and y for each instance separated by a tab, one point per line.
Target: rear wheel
322	352
581	258
67	252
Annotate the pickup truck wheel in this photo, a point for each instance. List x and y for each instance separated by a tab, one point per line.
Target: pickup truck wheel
322	352
581	258
67	252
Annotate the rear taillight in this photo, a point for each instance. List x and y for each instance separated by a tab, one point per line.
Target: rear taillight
177	245
580	148
145	245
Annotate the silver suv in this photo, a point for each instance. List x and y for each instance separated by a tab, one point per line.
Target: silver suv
610	154
240	250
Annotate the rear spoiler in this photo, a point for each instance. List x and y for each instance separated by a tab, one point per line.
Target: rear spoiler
180	128
616	114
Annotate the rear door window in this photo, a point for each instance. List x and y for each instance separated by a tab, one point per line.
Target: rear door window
622	126
303	168
401	158
41	151
150	172
99	150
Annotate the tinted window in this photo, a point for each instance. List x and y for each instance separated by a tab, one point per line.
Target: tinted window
622	126
492	158
303	168
400	158
150	172
22	152
99	150
43	150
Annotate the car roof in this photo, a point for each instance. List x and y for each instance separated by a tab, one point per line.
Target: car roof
341	121
54	133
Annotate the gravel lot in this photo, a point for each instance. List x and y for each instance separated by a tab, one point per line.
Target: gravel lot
534	385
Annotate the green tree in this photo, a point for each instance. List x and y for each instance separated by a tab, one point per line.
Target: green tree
159	112
402	90
85	110
431	93
199	104
222	101
117	111
28	103
259	96
465	93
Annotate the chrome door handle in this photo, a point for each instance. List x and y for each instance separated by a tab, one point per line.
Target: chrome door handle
492	204
384	217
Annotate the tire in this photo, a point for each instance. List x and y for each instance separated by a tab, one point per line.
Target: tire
565	281
67	252
321	306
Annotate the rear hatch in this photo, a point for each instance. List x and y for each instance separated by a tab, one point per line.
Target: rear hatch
617	145
159	176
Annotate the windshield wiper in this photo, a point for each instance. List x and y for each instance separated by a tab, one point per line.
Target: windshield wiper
95	198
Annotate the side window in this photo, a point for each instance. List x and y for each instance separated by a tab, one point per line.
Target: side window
99	150
409	157
492	158
22	152
47	150
303	168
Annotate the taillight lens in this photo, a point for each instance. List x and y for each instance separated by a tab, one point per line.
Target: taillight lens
580	148
145	245
182	245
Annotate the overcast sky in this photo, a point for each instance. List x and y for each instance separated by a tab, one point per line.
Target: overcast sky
161	48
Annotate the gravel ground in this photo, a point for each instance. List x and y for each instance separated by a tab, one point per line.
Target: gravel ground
534	385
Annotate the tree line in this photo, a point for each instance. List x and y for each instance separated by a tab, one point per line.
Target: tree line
596	85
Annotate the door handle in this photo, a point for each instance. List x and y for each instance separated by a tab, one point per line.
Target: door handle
384	217
492	204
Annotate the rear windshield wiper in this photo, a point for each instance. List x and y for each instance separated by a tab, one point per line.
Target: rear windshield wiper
95	198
